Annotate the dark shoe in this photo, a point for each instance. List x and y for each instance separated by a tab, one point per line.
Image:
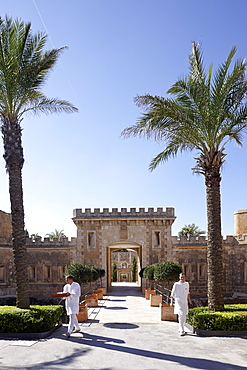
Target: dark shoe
68	334
76	331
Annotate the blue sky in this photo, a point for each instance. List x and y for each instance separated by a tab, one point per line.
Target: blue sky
118	49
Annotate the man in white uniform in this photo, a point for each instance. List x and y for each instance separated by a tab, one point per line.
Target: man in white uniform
181	294
73	293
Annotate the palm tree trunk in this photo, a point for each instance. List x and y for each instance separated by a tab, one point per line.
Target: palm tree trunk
13	155
214	246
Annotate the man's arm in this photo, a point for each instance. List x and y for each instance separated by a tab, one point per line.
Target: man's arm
65	290
172	295
188	296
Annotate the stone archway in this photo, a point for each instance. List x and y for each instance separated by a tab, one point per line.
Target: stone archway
123	245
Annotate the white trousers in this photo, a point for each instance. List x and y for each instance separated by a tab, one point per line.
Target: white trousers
181	322
73	322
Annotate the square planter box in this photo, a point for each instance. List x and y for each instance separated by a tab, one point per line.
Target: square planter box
99	292
91	300
167	312
148	292
155	300
83	312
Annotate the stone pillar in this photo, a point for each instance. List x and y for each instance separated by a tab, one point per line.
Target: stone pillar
240	222
5	224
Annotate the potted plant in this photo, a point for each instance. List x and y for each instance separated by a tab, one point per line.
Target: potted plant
167	271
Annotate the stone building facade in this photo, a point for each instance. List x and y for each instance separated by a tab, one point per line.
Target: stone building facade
99	233
124	264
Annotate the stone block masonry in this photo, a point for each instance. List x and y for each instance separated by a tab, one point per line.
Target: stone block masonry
99	233
123	213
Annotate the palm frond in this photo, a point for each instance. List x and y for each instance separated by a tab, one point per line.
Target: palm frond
197	70
24	69
45	105
171	150
207	110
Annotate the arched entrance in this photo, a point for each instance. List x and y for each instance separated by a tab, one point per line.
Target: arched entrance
122	246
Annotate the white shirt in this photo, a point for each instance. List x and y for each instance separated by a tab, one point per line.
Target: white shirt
180	293
72	301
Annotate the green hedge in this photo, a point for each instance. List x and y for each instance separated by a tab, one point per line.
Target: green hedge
233	318
37	319
167	271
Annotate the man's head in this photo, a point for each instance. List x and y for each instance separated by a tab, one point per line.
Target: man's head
182	277
69	279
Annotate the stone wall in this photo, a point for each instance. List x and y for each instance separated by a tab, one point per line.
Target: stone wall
191	253
7	281
148	232
46	260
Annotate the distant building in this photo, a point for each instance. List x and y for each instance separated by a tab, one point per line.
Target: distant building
124	261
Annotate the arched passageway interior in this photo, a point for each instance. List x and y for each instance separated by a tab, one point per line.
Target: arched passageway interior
120	263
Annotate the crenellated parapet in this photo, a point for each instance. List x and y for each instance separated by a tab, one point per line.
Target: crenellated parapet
202	240
242	239
39	242
88	213
55	242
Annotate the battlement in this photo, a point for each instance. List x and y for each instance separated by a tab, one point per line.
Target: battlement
51	242
201	240
242	239
7	242
123	213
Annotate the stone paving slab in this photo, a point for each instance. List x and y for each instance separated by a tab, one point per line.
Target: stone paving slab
125	305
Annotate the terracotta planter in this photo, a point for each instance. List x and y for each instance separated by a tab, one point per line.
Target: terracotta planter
167	312
104	290
83	312
148	292
144	290
155	300
99	292
91	300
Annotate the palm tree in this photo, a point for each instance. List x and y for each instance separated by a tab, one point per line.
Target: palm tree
191	230
35	236
56	234
206	111
24	67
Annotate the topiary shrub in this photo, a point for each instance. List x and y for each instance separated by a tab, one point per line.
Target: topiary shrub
234	318
141	272
37	319
167	271
94	274
82	273
149	272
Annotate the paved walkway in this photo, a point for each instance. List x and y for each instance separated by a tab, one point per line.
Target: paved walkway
125	303
125	333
